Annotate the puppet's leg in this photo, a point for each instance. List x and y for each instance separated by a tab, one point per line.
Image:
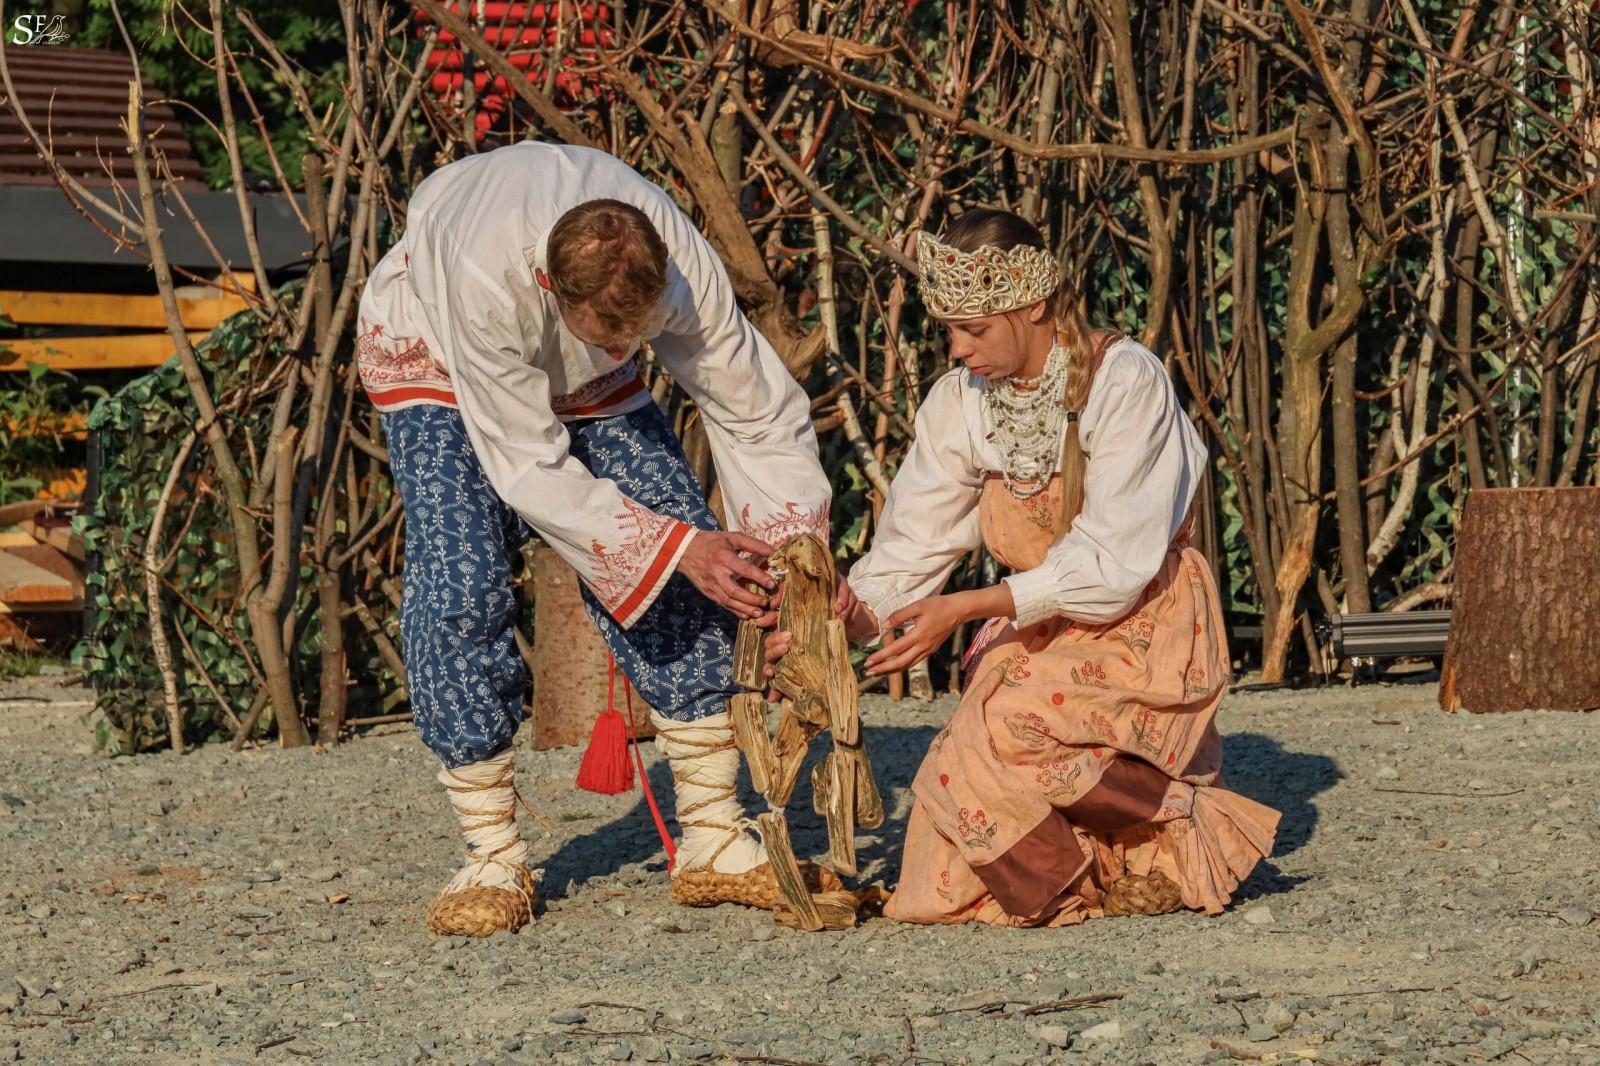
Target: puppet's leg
679	655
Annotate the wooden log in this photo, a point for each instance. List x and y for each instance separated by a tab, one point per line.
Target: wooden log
841	813
748	711
786	871
1522	629
569	659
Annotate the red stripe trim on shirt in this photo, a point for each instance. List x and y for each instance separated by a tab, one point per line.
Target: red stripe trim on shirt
632	387
663	557
406	393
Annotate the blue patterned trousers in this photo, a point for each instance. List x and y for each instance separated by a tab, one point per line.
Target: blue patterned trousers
467	682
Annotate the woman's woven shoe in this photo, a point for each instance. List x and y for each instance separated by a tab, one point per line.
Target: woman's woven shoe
1155	893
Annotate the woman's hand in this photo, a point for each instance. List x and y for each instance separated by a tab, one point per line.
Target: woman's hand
929	623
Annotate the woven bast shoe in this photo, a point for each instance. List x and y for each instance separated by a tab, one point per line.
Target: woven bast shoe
705	887
483	910
1155	893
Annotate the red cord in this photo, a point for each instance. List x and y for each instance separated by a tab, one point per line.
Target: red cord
644	780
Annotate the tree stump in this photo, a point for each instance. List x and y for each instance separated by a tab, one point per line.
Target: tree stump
1523	631
570	659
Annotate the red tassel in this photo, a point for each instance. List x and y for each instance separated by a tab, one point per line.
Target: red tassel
605	767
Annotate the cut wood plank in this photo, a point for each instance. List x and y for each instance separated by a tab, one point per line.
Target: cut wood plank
56	532
204	310
749	657
72	425
24	584
786	871
54	607
12	513
844	701
125	352
51	560
17	539
748	712
65	482
789	746
842	813
67	542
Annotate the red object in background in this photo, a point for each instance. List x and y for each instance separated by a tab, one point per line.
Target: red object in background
527	14
526	33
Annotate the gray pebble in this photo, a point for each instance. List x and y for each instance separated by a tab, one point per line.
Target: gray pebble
1279	1017
1111	1030
1054	1035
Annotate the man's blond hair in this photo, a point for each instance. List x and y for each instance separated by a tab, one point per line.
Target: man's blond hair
605	255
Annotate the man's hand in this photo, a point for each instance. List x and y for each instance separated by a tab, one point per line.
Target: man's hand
713	565
929	621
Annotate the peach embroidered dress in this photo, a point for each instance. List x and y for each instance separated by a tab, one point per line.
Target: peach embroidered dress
1084	747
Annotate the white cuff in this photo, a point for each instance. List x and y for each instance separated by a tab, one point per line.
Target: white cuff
881	603
1030	592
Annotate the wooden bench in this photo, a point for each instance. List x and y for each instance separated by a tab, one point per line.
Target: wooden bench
201	309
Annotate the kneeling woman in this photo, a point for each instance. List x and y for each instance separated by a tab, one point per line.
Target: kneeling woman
1081	773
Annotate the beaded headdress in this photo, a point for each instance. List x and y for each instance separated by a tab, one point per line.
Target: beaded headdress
989	281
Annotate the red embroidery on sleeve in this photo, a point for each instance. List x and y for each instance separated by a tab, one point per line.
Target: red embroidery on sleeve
789	522
630	571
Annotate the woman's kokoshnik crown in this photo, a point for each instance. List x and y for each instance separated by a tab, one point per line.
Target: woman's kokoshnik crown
989	281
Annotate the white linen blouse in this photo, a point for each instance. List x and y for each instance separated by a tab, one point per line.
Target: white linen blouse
1144	463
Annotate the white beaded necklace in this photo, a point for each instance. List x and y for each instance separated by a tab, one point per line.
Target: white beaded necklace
1025	416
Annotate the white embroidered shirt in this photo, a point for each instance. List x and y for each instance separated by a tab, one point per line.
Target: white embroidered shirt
455	315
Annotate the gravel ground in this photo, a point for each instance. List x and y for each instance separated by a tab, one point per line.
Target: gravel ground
1431	900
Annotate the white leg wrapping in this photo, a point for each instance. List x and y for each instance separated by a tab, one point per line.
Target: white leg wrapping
485	798
705	772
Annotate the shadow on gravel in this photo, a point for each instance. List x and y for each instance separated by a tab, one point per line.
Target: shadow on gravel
1256	766
896	753
1261	768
